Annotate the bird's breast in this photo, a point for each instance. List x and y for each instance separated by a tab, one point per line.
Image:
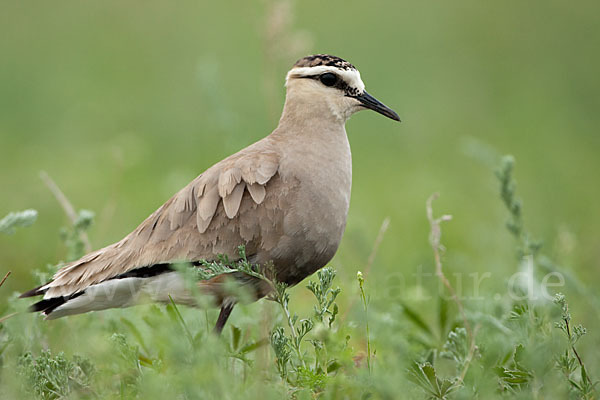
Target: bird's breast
315	218
323	172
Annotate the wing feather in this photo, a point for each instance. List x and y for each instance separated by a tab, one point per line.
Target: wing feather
232	202
207	207
257	191
228	181
183	228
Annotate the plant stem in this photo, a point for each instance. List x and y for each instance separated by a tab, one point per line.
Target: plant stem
579	360
469	358
182	321
435	240
7	317
296	344
363	297
436	245
66	205
4	279
382	230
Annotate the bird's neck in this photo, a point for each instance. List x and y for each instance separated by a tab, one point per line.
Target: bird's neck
309	114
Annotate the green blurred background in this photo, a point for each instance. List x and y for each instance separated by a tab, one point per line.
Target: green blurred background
123	103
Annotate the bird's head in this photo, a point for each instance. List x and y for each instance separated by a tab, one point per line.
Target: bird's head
334	81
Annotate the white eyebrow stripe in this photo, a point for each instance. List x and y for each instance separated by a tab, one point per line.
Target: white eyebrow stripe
350	76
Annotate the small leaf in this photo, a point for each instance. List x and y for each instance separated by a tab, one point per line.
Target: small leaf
443	315
429	372
416	319
519	353
253	346
15	220
236	335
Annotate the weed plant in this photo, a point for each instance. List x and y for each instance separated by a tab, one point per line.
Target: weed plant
506	347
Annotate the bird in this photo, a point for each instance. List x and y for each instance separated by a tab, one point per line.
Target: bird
285	198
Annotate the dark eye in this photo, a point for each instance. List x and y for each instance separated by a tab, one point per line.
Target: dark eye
328	79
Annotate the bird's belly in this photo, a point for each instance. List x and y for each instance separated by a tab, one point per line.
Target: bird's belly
312	231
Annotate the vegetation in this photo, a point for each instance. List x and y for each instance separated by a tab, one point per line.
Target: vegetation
124	105
152	351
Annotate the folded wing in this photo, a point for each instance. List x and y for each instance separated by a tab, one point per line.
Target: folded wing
234	202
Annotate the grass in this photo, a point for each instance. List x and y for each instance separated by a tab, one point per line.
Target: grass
273	352
124	105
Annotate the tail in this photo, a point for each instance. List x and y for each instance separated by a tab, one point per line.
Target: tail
46	306
123	291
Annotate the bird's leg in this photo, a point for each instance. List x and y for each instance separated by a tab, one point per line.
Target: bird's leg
226	310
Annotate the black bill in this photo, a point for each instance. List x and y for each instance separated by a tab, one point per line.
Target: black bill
372	103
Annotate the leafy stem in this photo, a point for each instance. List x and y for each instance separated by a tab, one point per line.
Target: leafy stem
361	281
283	298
